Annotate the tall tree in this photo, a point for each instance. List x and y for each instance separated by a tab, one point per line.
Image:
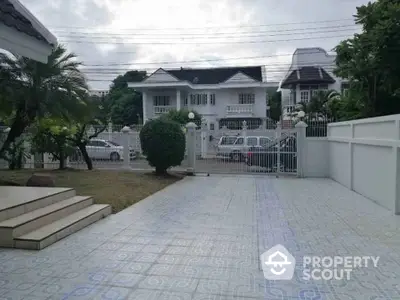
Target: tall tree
369	59
275	105
95	115
125	104
30	89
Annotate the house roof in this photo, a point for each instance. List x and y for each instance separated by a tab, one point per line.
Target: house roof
11	17
214	75
307	75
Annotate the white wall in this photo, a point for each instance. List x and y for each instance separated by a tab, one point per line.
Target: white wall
316	157
223	98
150	100
364	156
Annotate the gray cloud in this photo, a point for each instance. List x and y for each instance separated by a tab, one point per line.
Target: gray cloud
116	16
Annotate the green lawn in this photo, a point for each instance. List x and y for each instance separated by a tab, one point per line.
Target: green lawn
121	189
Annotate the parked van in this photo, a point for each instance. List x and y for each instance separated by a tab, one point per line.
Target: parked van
236	148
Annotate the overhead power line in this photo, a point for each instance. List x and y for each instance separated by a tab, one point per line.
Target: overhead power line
210	27
158	63
217	33
178	38
269	66
203	43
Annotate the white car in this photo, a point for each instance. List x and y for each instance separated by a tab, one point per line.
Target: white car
108	150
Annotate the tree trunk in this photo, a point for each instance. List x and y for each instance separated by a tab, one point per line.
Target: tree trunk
161	171
62	160
16	131
88	160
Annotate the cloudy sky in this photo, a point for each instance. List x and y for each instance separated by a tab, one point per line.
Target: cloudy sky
113	36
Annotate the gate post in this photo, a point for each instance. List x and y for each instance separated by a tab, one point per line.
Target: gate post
191	147
278	149
244	131
204	139
110	129
125	134
301	147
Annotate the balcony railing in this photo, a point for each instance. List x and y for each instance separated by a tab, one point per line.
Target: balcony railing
239	109
158	110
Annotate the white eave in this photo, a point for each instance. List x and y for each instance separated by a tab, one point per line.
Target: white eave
186	84
20	43
51	39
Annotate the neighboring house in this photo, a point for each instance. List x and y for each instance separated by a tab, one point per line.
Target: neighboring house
22	34
310	71
221	95
99	93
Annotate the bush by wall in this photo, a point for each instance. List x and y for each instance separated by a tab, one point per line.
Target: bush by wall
163	144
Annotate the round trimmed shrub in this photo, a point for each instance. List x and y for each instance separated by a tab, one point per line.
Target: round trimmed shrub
163	144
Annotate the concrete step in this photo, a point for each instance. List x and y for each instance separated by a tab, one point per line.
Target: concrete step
16	201
57	230
35	219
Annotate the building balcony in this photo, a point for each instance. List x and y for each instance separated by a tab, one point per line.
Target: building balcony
159	110
240	109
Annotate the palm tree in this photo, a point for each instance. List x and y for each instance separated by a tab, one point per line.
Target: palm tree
320	105
30	90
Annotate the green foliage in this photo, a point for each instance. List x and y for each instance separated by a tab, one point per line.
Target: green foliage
182	116
275	105
369	60
16	155
53	89
54	136
163	143
95	116
123	103
126	108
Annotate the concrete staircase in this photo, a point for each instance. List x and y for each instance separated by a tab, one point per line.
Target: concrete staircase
46	217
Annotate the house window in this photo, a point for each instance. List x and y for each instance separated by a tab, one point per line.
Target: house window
161	100
185	101
304	96
198	99
212	99
212	126
246	98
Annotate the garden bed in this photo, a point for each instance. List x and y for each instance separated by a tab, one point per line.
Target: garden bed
120	189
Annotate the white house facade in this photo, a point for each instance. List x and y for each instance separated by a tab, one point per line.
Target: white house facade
99	93
22	34
311	70
220	95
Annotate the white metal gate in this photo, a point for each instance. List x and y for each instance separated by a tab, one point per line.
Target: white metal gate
247	151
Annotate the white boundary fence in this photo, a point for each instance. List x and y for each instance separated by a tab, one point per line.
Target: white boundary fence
203	146
364	155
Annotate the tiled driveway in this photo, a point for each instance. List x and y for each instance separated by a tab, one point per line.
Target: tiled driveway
201	239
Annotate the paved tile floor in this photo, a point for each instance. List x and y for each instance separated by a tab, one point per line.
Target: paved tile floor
201	239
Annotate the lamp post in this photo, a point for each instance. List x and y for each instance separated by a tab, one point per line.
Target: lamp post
126	151
191	144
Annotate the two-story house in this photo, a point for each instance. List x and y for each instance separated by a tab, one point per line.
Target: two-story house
220	95
99	93
311	70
